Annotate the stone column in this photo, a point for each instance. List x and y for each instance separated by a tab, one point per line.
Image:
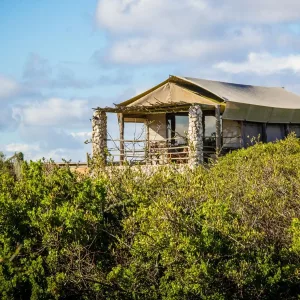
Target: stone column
99	134
195	136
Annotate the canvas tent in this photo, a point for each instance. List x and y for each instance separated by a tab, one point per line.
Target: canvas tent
231	114
239	102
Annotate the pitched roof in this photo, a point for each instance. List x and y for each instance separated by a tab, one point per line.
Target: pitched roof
275	97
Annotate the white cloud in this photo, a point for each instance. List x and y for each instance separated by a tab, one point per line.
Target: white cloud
10	92
153	50
8	87
82	135
56	128
37	152
262	64
45	129
168	17
58	155
156	31
259	11
17	147
181	18
54	112
139	50
56	145
29	149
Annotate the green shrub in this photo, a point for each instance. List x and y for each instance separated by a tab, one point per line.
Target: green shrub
52	228
230	231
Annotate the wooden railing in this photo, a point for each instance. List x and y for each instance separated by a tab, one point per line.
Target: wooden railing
159	151
162	151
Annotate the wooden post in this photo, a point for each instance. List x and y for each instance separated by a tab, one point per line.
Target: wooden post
147	144
87	159
203	125
218	130
122	146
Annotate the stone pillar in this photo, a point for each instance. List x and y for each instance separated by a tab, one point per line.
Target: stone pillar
195	136
99	134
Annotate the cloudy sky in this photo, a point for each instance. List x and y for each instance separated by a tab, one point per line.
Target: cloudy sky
61	58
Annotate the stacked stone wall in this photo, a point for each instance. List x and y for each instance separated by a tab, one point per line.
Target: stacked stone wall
195	136
99	134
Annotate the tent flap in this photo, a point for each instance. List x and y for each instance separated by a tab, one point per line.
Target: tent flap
255	113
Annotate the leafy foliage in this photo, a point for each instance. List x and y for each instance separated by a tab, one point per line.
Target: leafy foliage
231	231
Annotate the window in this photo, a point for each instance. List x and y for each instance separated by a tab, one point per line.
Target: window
209	141
275	132
252	132
210	126
177	127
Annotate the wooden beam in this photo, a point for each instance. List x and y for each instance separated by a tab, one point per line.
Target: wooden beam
147	148
121	127
218	130
169	107
203	124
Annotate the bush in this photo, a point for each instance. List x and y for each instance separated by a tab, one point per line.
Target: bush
228	232
52	228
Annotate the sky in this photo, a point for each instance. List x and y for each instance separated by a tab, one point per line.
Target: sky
61	58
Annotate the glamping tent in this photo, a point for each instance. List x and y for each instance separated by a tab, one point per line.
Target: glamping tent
190	119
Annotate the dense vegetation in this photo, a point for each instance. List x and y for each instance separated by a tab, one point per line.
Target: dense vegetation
231	231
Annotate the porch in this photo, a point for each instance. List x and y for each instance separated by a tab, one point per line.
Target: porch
180	133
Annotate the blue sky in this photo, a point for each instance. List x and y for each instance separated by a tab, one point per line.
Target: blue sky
61	58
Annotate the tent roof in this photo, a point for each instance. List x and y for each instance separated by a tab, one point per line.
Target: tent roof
217	91
276	97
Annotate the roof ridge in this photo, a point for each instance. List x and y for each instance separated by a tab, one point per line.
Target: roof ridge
226	82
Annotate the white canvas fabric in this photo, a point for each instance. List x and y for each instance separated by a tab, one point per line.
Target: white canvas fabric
249	94
243	102
171	93
254	103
